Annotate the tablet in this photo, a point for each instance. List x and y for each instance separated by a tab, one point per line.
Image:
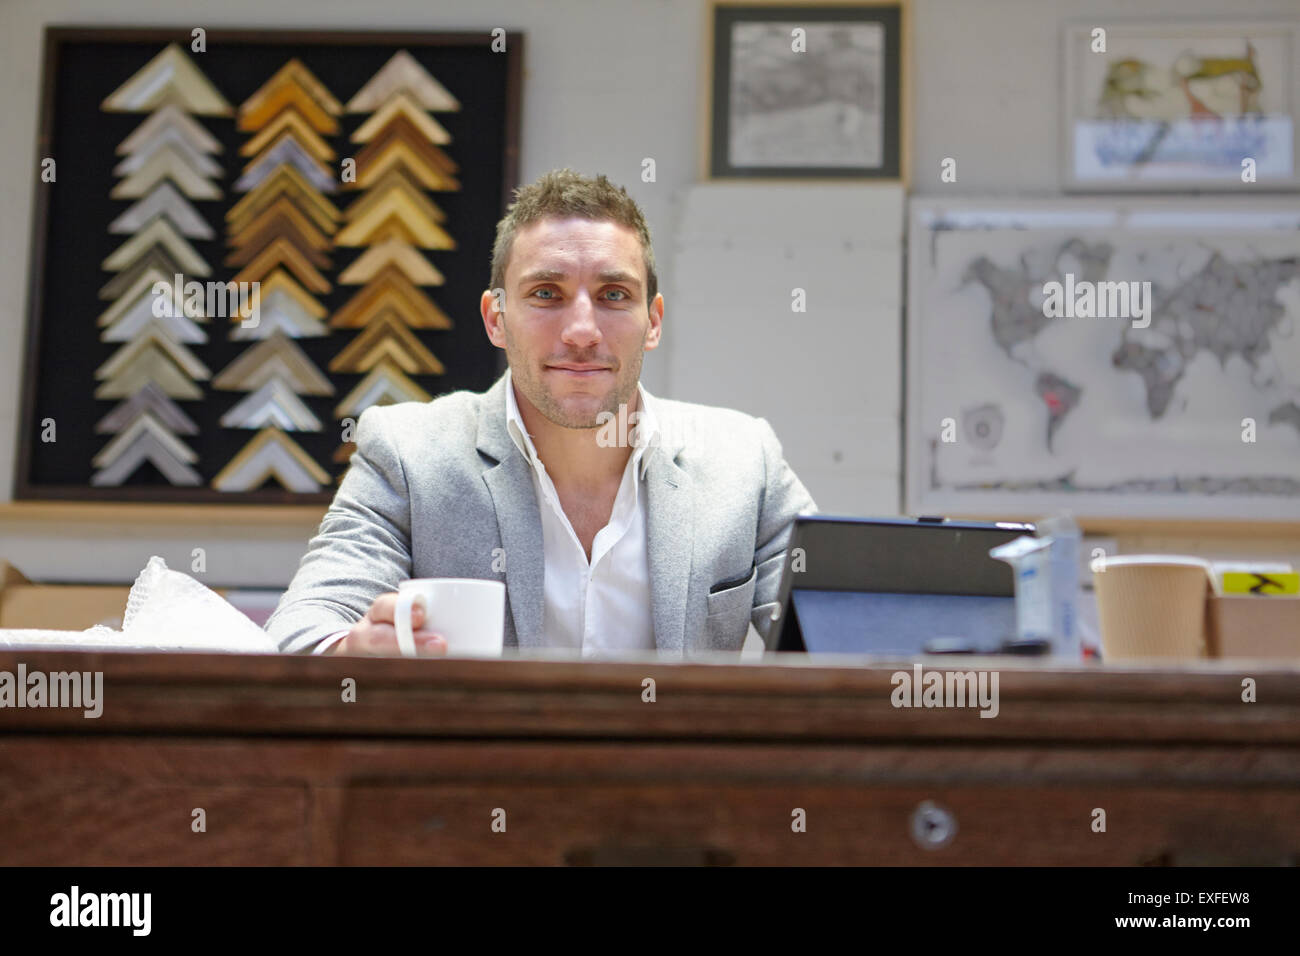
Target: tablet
896	586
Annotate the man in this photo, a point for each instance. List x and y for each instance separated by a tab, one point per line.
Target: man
617	521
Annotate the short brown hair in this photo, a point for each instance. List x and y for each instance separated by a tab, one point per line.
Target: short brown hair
564	194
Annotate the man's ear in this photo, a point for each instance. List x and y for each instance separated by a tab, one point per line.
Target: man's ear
655	311
492	307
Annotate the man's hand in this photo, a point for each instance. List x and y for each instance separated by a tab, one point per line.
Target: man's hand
376	634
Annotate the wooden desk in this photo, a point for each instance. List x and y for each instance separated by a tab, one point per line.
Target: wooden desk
586	771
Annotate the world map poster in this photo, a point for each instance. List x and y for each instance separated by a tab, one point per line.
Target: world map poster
1112	360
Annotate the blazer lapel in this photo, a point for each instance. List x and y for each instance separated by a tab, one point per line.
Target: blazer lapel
670	530
518	518
670	539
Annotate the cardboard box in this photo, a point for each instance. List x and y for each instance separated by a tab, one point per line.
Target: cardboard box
1240	625
58	607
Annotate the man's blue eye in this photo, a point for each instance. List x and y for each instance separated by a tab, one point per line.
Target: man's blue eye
618	292
548	292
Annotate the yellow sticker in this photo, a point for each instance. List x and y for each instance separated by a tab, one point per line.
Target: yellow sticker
1270	582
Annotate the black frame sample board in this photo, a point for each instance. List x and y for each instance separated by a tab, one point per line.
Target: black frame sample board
71	239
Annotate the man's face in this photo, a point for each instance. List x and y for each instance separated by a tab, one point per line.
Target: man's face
575	296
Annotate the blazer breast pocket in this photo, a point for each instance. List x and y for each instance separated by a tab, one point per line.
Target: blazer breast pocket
730	596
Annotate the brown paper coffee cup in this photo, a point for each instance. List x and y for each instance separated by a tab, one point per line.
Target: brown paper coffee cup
1151	605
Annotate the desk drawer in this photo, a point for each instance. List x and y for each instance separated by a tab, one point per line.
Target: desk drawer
691	823
73	822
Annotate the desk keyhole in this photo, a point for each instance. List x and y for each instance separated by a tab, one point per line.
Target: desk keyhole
932	826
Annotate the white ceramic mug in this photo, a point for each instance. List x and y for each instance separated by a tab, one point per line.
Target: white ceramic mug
469	612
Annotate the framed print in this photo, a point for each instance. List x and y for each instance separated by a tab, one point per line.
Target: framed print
807	91
1181	106
1118	360
244	239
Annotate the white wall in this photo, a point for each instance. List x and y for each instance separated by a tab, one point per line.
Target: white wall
986	76
608	83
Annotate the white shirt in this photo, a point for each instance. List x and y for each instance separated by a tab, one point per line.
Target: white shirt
601	605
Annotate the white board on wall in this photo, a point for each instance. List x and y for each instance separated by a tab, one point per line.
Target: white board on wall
828	378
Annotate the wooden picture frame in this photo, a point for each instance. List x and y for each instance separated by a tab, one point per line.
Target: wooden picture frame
83	66
839	113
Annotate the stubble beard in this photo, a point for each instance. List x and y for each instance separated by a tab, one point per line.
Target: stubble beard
535	388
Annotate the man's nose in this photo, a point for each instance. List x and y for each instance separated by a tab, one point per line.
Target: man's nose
580	325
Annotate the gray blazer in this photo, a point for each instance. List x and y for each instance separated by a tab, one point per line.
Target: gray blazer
435	488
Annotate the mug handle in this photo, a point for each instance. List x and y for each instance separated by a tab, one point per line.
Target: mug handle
402	620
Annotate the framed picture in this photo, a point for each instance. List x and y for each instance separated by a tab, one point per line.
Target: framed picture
810	91
242	240
1191	106
1119	360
